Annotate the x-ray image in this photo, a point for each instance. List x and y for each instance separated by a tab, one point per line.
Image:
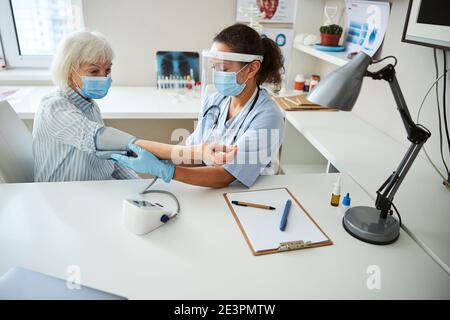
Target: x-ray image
177	63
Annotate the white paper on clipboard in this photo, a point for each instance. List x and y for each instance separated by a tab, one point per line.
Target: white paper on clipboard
261	226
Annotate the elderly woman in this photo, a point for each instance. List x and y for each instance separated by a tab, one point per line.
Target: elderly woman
70	140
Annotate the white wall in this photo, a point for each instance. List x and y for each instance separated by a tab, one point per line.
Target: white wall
139	28
415	72
309	18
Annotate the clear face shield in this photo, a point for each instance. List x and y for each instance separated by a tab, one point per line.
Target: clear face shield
221	72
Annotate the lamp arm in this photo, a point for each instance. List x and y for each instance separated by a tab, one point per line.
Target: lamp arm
417	134
386	193
402	107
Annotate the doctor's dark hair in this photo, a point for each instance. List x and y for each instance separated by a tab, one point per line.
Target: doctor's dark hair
243	39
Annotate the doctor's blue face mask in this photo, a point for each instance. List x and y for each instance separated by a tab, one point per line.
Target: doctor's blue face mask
94	87
226	82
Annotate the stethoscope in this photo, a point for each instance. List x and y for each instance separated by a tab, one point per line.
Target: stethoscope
217	106
216	121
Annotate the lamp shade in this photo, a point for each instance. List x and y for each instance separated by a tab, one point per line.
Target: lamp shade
340	89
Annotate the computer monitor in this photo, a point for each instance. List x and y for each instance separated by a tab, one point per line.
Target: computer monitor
428	23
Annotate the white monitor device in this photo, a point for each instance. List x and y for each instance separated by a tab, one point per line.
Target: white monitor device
428	23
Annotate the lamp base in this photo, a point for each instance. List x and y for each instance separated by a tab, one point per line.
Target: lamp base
365	224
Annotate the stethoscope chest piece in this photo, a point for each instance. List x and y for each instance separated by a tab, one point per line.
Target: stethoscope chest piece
213	127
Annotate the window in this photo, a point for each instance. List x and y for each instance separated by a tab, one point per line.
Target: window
32	29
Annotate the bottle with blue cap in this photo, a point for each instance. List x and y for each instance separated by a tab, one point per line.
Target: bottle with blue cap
346	201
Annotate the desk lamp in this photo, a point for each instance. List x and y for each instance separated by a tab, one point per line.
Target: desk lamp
340	89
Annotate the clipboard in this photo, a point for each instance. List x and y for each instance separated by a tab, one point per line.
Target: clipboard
260	227
301	104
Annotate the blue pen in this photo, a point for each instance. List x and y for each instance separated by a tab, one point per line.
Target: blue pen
284	218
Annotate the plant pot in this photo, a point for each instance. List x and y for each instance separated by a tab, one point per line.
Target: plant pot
330	40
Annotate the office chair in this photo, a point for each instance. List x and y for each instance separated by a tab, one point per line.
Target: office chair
16	156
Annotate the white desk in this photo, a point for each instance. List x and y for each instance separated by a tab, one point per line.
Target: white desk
350	144
202	254
369	156
120	103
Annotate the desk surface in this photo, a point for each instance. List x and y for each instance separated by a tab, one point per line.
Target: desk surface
202	254
120	103
369	156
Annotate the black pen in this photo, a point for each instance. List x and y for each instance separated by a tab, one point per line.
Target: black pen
254	205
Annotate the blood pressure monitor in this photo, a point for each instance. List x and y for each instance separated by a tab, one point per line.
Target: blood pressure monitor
141	216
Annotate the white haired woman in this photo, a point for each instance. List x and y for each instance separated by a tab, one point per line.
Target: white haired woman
70	140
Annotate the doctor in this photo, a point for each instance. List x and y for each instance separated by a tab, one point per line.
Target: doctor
235	111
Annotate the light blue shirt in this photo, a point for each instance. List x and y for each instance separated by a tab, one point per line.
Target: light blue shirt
258	133
64	132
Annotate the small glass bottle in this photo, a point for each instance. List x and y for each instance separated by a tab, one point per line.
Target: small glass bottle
336	195
346	201
299	83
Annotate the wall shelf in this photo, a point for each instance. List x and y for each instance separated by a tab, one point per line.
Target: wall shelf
336	58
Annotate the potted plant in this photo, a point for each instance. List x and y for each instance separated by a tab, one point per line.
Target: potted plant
330	35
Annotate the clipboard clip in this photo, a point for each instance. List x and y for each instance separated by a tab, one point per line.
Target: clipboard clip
293	245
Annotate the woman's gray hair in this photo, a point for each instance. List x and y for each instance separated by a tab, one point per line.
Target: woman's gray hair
78	48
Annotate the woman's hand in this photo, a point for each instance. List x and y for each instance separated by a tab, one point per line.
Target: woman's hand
216	154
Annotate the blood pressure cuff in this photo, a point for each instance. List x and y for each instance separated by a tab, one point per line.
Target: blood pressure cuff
106	155
111	139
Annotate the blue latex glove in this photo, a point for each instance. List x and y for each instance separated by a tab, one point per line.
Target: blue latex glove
146	162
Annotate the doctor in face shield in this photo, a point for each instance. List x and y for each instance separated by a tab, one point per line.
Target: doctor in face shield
226	76
236	110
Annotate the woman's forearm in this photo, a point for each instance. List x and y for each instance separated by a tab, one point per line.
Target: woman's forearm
210	153
178	154
214	177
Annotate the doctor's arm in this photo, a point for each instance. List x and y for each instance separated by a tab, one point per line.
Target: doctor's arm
145	162
109	138
214	177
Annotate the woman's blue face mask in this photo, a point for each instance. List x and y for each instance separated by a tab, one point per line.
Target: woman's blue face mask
94	87
226	83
